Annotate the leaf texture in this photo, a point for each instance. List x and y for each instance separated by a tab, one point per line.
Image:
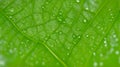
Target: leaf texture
59	33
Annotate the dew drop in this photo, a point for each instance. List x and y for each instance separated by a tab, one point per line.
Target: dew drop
95	64
79	36
68	53
59	19
109	9
10	17
74	36
11	10
87	35
84	20
43	7
94	53
87	8
2	63
111	50
10	51
77	1
117	52
105	42
101	63
68	48
60	32
36	62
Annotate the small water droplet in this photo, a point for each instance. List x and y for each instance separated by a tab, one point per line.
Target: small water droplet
105	42
74	36
68	53
111	14
36	62
42	7
10	17
111	50
60	32
101	55
84	20
77	1
95	64
101	63
79	36
87	35
117	52
114	36
2	63
22	42
47	2
10	51
109	9
94	53
12	10
68	48
59	19
87	8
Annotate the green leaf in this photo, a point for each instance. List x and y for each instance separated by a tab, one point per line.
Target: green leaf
59	33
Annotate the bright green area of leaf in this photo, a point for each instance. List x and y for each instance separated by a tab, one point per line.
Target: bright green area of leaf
59	33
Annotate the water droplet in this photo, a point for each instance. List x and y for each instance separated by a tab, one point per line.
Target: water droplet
105	42
101	63
22	42
2	63
87	35
101	55
109	9
59	19
111	50
94	53
68	48
10	17
43	7
47	2
117	52
10	51
79	36
68	53
87	8
111	14
77	1
60	32
84	20
37	62
12	10
95	64
74	36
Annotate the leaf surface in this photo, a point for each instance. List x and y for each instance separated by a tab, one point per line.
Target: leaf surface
59	33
